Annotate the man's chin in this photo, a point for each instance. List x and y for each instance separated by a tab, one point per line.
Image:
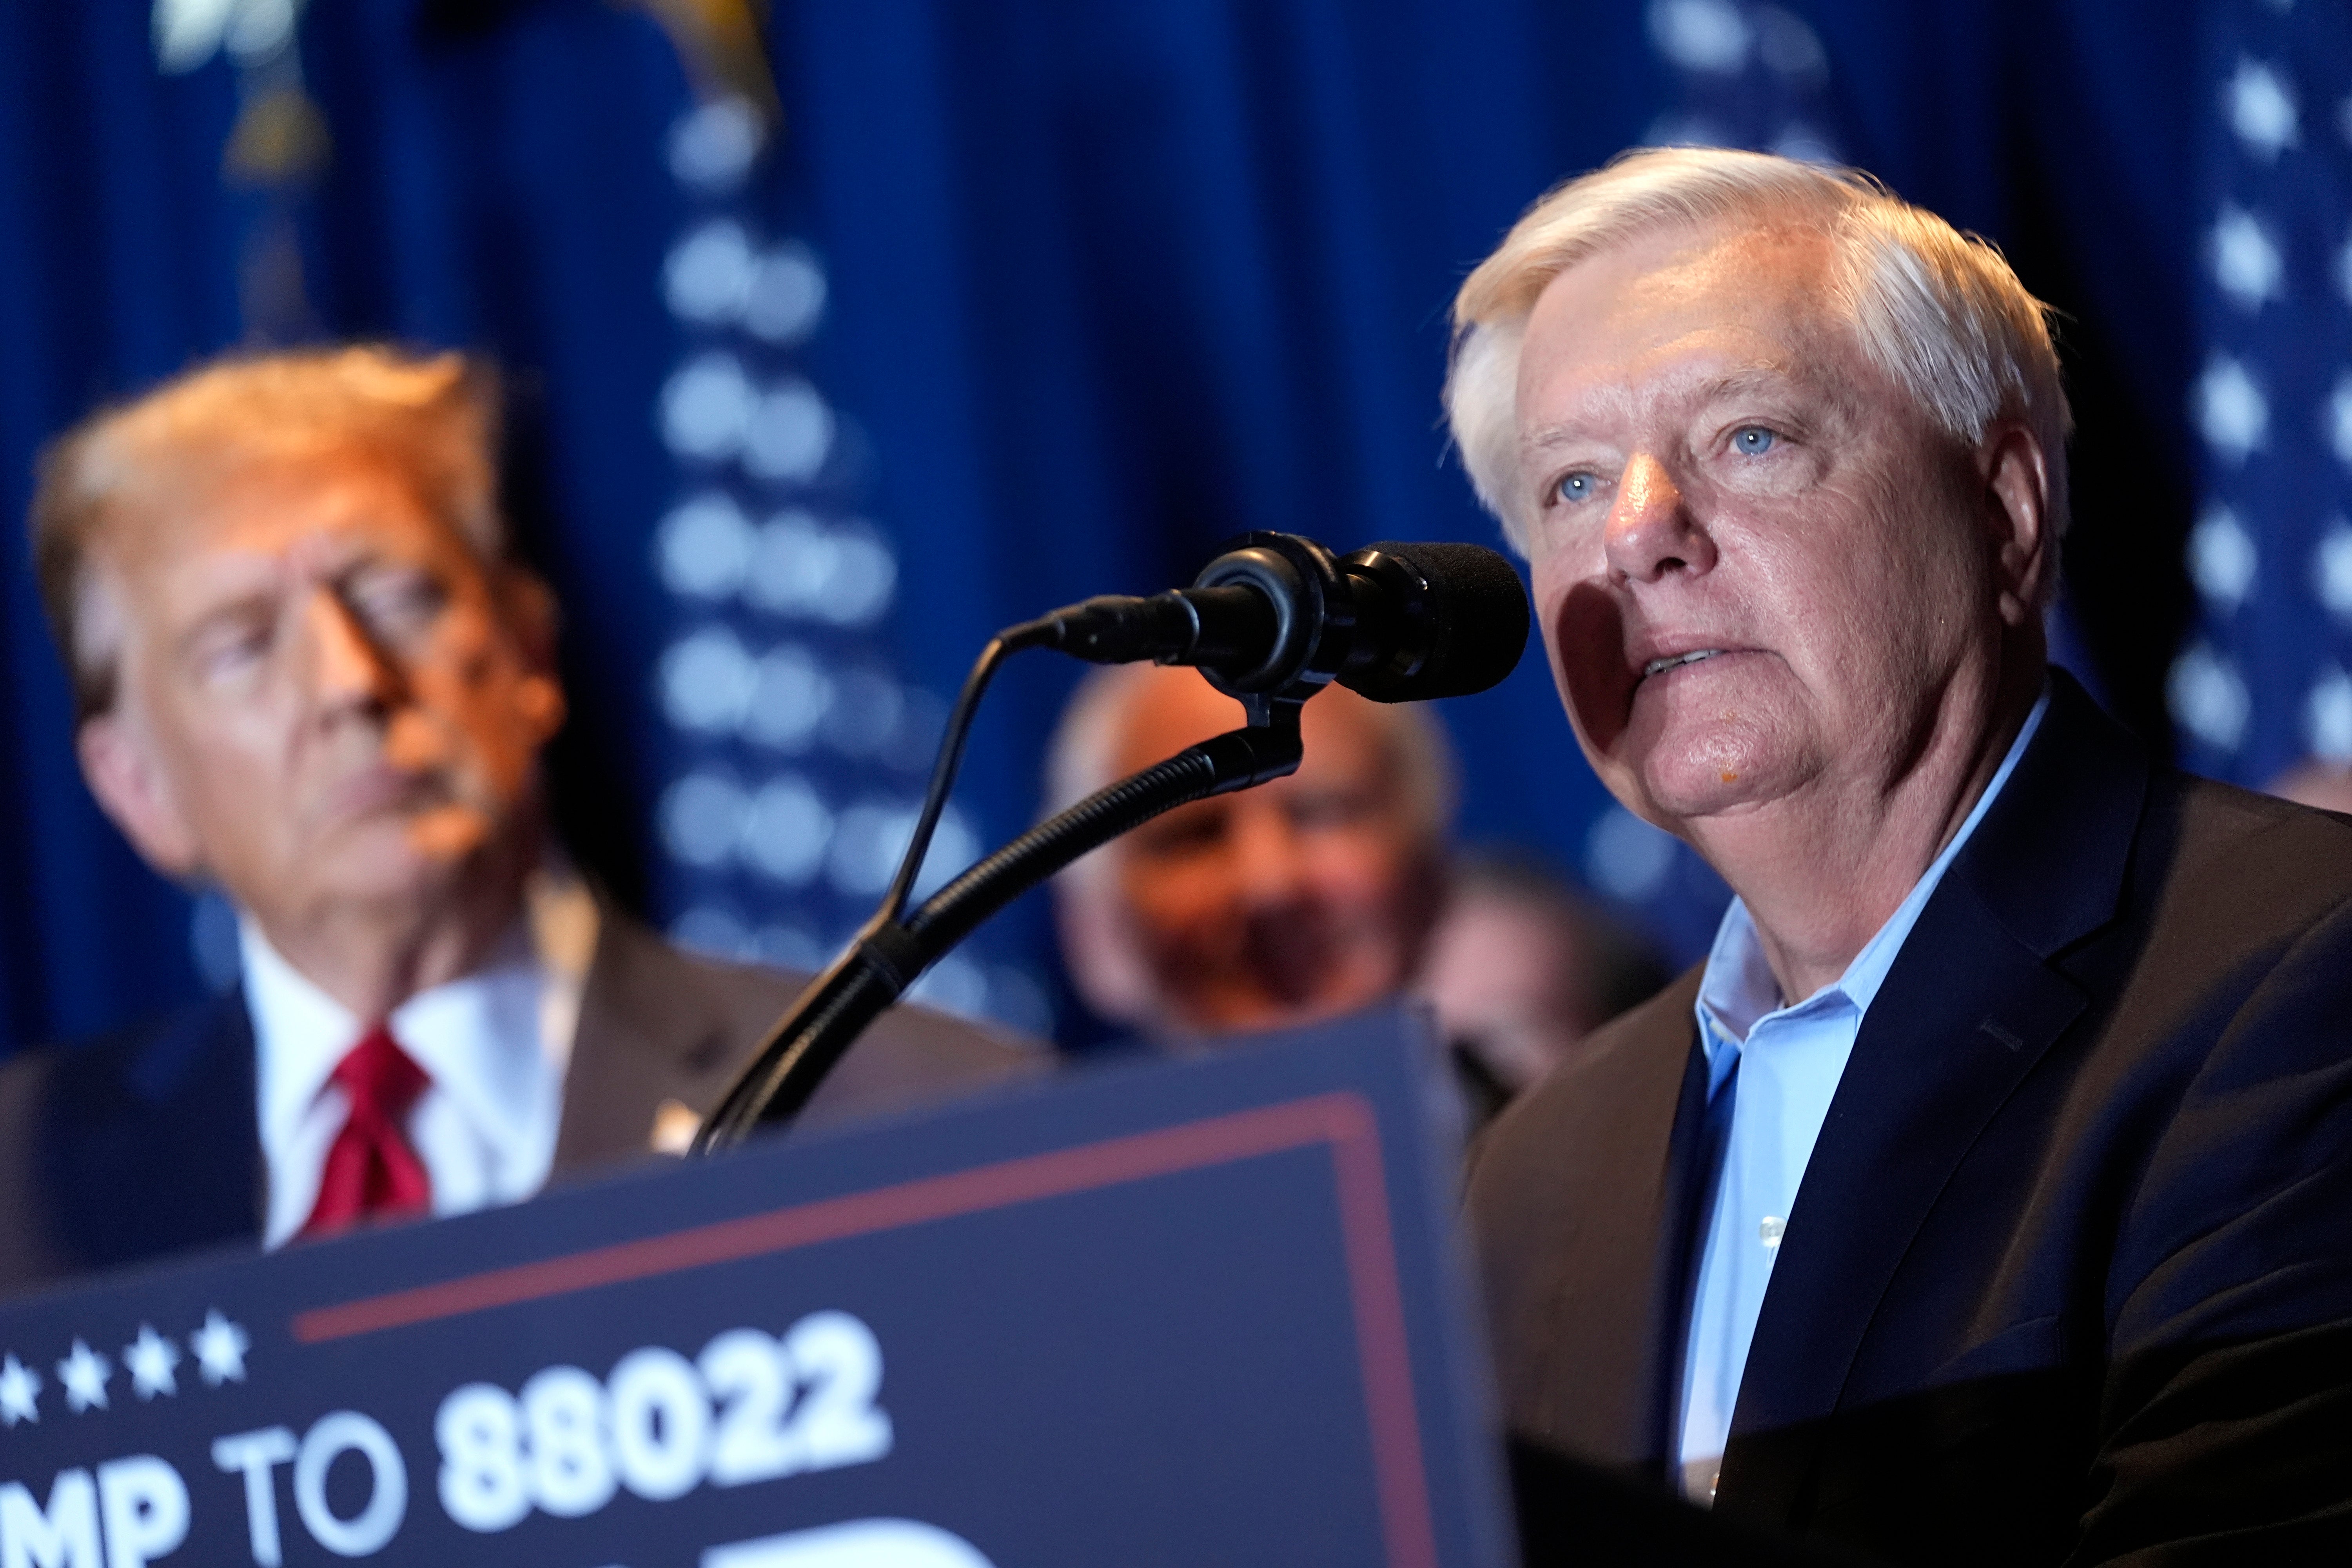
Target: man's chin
392	858
446	834
1712	783
1248	1010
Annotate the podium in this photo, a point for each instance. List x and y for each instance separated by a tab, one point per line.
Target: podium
1172	1312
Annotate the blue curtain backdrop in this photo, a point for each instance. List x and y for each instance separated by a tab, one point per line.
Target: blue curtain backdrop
1100	285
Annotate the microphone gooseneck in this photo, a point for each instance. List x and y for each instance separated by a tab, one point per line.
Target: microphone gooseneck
1270	622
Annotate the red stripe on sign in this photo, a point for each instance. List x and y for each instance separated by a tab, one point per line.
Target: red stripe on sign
1343	1120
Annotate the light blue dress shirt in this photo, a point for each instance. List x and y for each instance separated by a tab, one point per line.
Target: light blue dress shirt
1788	1061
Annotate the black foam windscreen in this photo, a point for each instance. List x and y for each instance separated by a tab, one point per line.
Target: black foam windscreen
1467	612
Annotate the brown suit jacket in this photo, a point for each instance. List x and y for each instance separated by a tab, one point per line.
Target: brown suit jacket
145	1144
2069	1275
658	1025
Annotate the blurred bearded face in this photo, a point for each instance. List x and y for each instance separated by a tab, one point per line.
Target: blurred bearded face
1301	900
324	695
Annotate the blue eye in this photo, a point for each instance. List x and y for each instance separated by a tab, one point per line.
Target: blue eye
1753	440
1577	487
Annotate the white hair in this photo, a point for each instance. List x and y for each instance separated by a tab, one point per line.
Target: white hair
1938	311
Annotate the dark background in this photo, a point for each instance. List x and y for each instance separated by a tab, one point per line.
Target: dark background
1107	283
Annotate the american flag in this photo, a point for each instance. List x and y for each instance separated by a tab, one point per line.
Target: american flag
2263	683
797	750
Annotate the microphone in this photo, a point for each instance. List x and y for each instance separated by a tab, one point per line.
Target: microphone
1276	612
1271	621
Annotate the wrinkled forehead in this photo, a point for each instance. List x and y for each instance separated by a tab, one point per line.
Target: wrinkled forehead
1683	300
311	515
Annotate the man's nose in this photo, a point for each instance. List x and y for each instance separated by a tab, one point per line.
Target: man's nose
347	668
1269	866
1651	531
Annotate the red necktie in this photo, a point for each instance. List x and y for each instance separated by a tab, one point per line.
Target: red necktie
372	1170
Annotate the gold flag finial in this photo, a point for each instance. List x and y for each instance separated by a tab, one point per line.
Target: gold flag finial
724	46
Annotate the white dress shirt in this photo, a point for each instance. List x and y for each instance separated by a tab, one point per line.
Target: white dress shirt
494	1045
1789	1062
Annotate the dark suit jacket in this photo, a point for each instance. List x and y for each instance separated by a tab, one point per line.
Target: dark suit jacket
2069	1278
146	1143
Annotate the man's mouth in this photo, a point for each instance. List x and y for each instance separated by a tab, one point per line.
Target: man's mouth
1660	666
383	790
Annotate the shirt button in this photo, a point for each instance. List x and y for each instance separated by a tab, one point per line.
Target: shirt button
1768	1232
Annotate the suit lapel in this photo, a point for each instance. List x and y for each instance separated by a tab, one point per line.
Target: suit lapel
1971	1004
652	1028
1694	1168
1963	1016
153	1146
624	1052
1590	1192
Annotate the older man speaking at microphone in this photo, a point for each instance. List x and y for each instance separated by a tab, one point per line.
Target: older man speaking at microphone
1983	1197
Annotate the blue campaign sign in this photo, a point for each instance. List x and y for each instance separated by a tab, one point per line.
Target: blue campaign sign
1181	1312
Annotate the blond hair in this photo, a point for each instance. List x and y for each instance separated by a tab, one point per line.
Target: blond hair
432	419
1939	312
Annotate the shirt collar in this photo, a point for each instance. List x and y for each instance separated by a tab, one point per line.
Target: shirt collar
491	1039
478	1038
300	1033
1737	990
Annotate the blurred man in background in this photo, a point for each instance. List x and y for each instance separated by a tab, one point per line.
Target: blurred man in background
1522	967
1306	899
1323	893
307	671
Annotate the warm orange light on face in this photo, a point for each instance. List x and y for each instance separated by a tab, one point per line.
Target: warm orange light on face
341	700
1306	897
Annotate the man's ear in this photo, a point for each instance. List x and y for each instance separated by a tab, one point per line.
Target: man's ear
2016	475
122	772
531	619
528	607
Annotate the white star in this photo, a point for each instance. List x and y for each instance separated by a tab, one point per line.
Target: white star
20	1392
1805	144
84	1373
2222	558
2259	108
1707	35
2339	417
152	1358
220	1346
706	407
2331	569
1627	856
2245	262
2327	716
2208	697
2231	409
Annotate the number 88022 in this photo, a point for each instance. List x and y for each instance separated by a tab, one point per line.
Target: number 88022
751	1408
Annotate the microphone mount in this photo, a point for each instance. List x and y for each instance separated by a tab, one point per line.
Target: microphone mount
1270	622
888	955
1276	615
